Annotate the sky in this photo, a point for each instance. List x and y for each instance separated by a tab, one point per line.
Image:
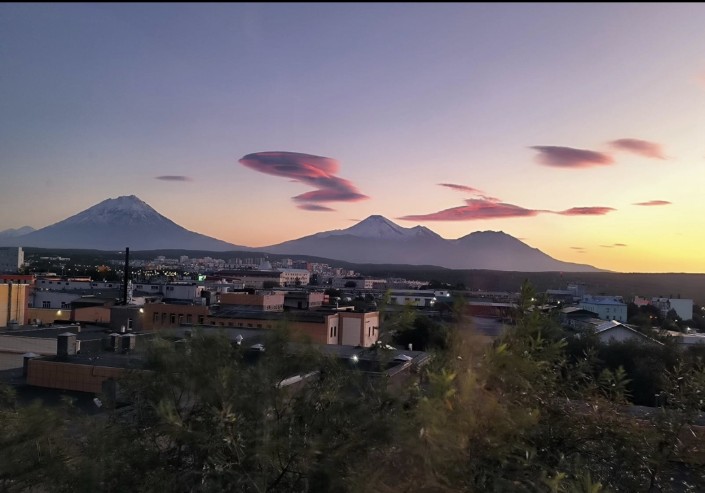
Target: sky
577	128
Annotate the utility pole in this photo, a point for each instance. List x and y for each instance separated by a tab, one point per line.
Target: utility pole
127	276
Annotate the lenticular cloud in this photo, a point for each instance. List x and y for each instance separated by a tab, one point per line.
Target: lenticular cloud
640	147
569	157
316	171
475	209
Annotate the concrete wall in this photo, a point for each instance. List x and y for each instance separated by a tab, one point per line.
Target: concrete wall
19	344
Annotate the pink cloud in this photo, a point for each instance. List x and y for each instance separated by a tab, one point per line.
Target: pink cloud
654	202
316	171
586	211
641	147
568	157
461	188
173	178
474	209
315	207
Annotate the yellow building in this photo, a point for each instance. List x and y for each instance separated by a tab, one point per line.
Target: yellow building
13	302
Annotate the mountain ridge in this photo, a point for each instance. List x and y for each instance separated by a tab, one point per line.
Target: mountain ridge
128	221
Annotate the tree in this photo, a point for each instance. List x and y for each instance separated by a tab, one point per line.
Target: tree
215	417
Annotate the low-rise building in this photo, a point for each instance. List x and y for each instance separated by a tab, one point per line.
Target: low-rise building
412	297
606	307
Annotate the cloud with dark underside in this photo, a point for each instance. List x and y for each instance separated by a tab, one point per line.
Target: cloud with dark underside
314	207
461	188
653	202
640	147
173	178
586	211
614	245
316	171
474	209
569	157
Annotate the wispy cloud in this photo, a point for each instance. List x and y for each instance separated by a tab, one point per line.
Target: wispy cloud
653	202
586	211
314	207
569	157
173	178
577	248
640	147
613	245
316	171
462	188
474	209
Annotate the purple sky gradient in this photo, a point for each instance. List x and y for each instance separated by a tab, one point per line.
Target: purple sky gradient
554	107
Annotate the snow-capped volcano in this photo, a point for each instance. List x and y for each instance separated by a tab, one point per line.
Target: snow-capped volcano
118	223
382	228
123	210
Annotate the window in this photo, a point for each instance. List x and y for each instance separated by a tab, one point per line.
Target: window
189	318
65	305
46	304
200	320
163	318
155	317
172	318
154	288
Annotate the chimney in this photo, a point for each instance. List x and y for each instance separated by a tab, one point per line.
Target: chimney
128	342
65	345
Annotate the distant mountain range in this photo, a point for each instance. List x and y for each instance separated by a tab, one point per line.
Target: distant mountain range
378	240
129	222
13	233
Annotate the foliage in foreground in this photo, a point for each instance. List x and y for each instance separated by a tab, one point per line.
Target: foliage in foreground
522	415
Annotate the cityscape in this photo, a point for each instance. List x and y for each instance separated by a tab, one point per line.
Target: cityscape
352	248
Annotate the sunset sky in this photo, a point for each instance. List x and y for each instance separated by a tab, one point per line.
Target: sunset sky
577	128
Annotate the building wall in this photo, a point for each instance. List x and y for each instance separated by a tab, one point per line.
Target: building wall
358	328
155	316
70	376
607	311
271	302
13	303
91	314
46	315
58	300
291	276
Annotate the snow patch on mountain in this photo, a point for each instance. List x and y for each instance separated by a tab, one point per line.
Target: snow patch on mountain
379	227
